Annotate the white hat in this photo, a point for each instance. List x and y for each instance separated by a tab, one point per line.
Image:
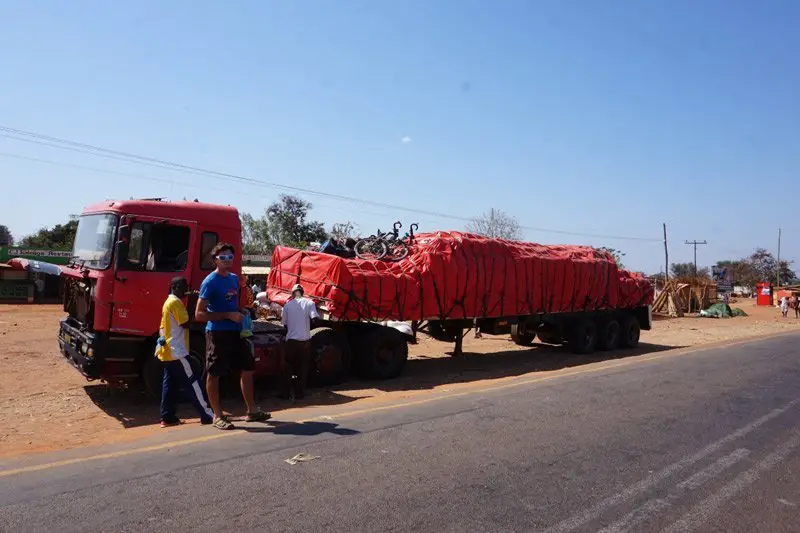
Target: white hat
297	287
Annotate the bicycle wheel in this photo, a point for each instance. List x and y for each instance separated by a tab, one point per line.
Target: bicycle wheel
398	250
371	249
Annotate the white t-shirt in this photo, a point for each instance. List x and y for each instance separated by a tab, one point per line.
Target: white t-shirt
297	315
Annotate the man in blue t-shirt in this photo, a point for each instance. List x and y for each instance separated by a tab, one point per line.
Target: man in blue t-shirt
226	351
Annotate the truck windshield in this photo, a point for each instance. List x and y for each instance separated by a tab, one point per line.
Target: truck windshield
94	240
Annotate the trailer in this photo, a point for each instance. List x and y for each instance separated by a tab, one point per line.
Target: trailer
452	281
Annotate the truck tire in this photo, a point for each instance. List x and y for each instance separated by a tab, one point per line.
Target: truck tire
521	335
608	335
381	353
583	337
629	332
330	358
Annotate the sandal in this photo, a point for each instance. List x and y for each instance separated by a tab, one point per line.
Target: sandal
222	423
257	416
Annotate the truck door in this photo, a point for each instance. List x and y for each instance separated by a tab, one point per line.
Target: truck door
157	251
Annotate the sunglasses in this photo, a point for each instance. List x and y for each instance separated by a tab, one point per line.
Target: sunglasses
225	257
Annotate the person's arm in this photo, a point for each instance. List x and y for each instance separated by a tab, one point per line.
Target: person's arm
202	314
180	314
313	316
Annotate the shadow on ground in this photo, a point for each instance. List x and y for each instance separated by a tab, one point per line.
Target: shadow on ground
423	373
304	429
133	408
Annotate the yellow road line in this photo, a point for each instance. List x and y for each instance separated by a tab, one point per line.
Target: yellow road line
112	455
560	374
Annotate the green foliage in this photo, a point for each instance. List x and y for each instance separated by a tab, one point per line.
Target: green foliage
6	239
284	222
686	270
616	254
60	236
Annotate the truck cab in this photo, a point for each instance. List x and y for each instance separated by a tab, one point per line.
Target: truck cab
124	256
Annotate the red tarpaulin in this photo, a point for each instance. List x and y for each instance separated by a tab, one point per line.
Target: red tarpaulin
459	275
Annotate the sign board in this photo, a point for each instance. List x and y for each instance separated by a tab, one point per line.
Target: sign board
256	260
723	277
59	257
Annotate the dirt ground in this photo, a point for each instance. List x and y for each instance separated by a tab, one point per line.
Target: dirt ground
46	405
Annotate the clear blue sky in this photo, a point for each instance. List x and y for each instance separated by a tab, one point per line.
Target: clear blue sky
605	117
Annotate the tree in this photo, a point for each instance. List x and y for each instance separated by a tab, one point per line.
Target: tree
616	254
284	223
6	239
496	225
343	231
686	270
743	273
765	267
61	236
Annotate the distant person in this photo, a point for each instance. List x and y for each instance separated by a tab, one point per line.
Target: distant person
172	350
784	307
226	350
797	306
297	316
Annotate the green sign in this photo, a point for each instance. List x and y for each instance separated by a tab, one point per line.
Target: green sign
57	257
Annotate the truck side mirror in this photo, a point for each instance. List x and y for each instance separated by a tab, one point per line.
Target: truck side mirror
123	242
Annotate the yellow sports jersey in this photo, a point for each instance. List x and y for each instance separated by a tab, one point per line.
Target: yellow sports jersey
173	314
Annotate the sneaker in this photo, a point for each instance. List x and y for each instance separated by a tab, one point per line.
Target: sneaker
171	423
257	416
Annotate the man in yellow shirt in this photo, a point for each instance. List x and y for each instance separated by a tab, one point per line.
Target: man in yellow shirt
172	350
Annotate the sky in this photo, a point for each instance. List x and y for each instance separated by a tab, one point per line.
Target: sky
589	117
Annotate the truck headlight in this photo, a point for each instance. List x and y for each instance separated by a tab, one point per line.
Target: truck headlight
84	349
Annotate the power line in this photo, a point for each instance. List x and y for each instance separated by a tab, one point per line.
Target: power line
66	144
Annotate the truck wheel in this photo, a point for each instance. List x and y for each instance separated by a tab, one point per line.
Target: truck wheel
608	335
152	376
521	335
630	332
583	337
330	358
382	353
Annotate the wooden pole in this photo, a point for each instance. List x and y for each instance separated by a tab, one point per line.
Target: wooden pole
778	273
666	257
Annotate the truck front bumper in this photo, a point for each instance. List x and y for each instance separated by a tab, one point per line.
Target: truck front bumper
78	348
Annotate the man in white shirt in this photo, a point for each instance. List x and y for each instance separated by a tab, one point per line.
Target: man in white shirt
297	316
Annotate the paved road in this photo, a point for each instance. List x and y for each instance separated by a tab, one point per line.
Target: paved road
701	441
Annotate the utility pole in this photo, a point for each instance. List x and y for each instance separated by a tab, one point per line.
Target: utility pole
666	256
778	267
695	243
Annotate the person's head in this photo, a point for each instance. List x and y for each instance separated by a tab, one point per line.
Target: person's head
179	286
223	254
297	291
350	243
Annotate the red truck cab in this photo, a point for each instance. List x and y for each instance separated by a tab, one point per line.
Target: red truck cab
124	256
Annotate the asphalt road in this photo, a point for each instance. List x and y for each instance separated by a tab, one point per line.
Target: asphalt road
707	440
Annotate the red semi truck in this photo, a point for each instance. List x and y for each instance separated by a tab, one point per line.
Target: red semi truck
126	252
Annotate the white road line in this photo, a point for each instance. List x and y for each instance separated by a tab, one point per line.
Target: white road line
630	521
705	510
594	512
713	470
651	508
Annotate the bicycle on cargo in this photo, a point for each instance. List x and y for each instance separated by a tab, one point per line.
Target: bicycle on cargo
388	244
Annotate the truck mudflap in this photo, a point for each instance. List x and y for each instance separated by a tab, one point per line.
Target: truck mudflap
78	348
